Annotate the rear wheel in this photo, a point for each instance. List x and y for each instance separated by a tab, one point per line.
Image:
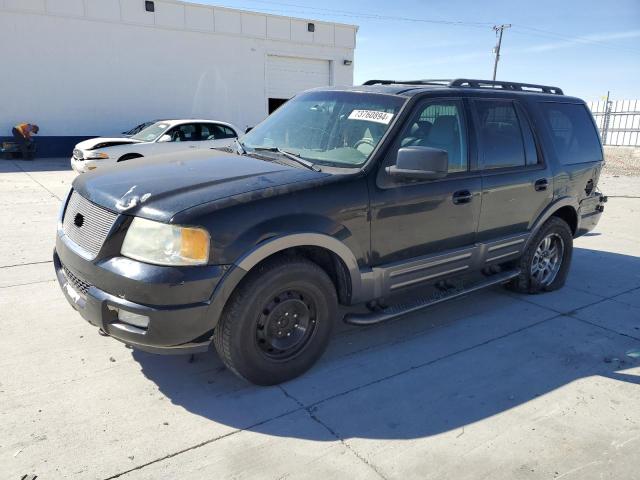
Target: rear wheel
278	322
545	263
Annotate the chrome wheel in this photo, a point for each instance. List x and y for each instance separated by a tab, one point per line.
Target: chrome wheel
547	259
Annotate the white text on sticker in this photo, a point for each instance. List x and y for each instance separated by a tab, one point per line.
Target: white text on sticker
371	116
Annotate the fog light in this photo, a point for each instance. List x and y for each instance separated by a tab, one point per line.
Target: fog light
140	321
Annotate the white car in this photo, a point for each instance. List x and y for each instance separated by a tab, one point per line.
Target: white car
164	136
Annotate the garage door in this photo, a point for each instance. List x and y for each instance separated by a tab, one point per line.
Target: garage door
287	76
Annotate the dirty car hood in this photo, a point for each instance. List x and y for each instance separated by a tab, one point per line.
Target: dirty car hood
159	187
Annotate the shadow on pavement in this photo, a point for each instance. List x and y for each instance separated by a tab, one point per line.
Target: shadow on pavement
424	397
36	165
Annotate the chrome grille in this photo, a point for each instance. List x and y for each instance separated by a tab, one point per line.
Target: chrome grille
86	224
77	154
78	284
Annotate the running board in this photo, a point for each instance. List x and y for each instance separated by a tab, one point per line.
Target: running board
388	313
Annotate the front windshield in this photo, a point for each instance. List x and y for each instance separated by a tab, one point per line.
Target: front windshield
329	127
152	132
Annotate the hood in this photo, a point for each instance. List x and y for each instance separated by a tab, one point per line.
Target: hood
159	187
102	142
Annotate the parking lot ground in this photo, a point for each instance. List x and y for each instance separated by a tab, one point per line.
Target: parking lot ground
494	385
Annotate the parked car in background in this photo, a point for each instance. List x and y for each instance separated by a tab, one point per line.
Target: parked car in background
164	136
389	197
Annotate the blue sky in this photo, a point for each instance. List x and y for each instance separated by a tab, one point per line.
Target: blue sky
585	47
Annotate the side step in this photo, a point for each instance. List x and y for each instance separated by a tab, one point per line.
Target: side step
403	309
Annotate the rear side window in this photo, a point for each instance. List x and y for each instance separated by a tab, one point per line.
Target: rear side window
500	135
212	131
574	137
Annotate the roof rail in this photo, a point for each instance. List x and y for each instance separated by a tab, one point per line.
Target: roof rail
522	87
472	83
441	82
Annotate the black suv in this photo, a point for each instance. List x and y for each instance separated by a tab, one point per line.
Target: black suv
365	202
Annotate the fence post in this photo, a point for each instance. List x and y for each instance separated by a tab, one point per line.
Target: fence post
605	120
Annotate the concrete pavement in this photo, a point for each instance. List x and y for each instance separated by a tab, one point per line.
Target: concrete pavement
495	385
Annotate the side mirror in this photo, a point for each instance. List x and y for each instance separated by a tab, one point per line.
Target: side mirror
164	138
421	163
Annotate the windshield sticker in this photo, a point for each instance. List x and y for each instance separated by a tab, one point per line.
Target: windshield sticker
371	116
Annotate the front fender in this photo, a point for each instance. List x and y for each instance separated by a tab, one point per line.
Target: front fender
244	264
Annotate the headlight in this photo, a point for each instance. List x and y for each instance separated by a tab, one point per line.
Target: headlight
96	156
164	244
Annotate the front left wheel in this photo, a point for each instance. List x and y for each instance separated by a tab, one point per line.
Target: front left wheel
278	322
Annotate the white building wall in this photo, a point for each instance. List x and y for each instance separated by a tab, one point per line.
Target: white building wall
95	67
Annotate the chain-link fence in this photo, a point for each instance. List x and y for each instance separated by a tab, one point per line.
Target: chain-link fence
618	121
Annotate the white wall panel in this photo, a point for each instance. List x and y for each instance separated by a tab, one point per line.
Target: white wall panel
254	25
278	28
73	8
323	34
199	18
133	11
169	14
103	9
299	32
227	21
345	37
29	5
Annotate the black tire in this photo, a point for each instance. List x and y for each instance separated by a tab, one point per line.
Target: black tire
129	156
249	337
559	231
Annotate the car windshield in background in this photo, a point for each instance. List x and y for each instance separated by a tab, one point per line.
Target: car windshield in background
138	128
149	134
331	128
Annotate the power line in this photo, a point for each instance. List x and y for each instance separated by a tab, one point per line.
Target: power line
354	14
532	31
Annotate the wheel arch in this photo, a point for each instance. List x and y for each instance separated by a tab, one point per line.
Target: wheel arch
332	255
565	208
129	156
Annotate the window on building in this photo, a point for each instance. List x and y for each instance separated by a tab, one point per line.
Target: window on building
500	135
574	137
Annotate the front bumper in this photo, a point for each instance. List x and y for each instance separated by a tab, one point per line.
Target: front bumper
83	166
175	300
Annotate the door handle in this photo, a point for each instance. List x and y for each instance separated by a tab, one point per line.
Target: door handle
541	184
462	196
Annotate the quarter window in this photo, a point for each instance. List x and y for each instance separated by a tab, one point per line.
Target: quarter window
440	125
574	137
212	131
500	135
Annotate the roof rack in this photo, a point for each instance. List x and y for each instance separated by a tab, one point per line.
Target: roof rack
441	82
472	83
521	87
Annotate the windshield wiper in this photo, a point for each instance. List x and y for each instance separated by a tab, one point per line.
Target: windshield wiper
291	156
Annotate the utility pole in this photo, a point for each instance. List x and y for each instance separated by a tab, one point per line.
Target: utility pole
498	29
